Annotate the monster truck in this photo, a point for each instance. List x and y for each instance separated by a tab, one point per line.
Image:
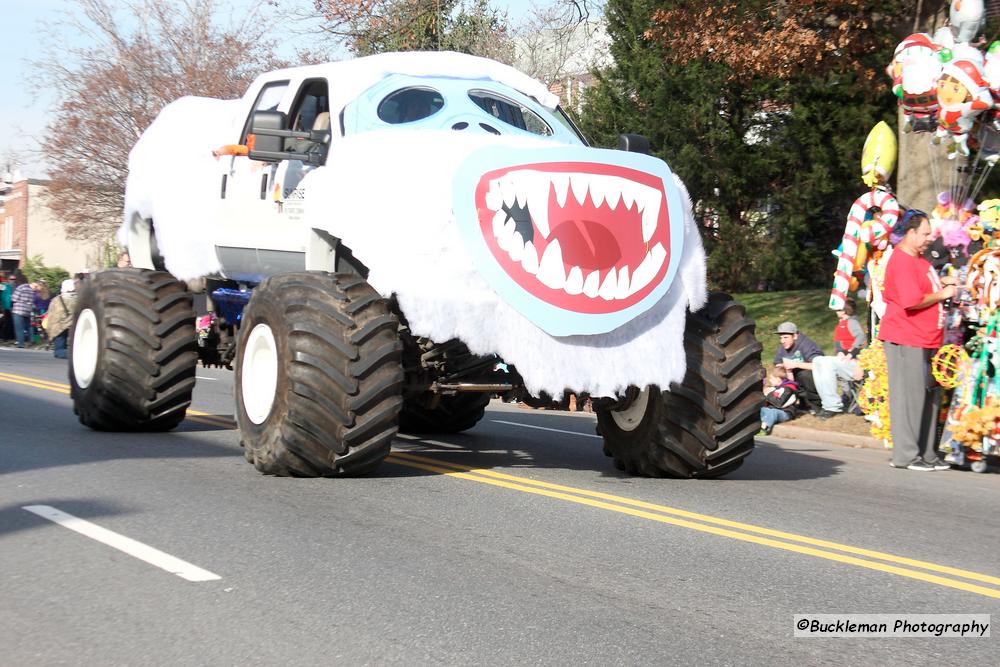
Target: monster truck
388	242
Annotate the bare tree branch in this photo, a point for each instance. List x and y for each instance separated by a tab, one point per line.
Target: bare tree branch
109	91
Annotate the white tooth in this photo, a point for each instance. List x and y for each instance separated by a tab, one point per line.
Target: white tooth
551	271
506	235
648	269
580	183
622	290
561	184
659	254
642	275
598	189
538	202
508	190
529	262
609	286
592	284
612	191
521	179
628	193
650	215
498	220
574	281
516	247
494	200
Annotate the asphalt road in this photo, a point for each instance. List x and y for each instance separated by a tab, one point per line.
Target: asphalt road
515	543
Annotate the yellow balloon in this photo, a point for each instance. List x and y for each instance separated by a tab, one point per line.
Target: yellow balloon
878	158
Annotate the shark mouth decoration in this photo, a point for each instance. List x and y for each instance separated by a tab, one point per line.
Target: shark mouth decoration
585	237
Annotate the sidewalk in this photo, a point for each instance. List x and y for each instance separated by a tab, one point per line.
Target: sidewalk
792	431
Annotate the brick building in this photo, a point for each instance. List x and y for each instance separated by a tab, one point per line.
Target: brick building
28	227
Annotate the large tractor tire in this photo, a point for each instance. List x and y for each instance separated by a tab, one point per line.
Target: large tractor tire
318	376
448	414
705	426
132	351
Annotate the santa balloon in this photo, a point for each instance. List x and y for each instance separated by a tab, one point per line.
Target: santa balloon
914	70
962	94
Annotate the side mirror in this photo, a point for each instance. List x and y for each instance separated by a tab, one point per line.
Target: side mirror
633	143
262	126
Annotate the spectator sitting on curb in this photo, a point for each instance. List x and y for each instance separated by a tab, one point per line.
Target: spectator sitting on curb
828	372
794	348
779	400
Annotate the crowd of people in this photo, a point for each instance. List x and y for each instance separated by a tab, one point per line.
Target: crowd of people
30	314
804	379
911	331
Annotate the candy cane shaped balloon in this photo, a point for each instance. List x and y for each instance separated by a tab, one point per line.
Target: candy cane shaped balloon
855	234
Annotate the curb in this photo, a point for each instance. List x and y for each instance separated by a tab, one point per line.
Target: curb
828	437
784	430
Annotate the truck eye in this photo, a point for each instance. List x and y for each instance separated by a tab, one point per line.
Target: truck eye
410	104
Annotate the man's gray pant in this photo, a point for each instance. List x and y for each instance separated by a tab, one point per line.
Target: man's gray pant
913	403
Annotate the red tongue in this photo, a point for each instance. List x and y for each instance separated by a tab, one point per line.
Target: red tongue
587	244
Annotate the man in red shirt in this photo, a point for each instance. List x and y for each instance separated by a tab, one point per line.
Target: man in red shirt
912	330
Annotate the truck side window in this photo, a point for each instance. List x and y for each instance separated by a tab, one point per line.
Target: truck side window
312	103
510	112
268	99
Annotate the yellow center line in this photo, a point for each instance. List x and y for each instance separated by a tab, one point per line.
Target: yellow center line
36	385
34	382
902	560
722	532
646	510
209	418
211	421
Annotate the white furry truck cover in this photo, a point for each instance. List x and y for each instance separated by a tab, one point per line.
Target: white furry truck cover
393	197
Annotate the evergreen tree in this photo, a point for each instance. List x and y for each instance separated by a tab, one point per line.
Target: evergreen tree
770	154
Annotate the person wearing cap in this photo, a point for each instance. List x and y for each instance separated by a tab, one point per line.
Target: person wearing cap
830	372
911	331
796	352
60	317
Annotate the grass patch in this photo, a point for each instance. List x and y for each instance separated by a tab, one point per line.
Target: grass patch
809	309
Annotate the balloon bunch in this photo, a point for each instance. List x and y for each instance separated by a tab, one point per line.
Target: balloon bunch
943	82
949	91
874	396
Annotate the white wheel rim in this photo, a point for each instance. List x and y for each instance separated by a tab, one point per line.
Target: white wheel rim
259	380
629	418
86	345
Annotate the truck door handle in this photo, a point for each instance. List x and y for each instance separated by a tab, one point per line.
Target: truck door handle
263	186
222	192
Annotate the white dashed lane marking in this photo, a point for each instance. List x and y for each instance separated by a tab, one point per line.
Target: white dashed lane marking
133	548
545	428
